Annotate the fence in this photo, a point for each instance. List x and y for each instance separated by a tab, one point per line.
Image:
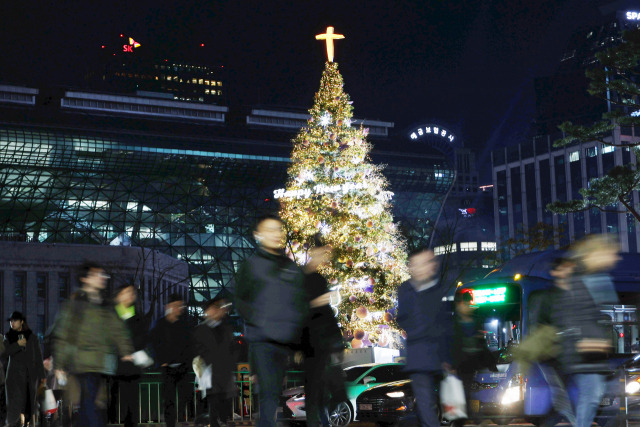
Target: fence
244	403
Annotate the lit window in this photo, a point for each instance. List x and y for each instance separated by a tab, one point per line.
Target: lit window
574	156
200	81
468	246
439	250
219	83
488	246
592	151
132	206
219	92
207	91
608	149
207	82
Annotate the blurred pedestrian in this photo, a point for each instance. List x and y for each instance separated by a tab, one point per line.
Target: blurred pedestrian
586	334
270	297
469	352
214	343
321	339
25	371
172	342
87	339
422	315
128	374
561	270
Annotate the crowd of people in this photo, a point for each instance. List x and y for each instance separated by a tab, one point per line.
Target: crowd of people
286	311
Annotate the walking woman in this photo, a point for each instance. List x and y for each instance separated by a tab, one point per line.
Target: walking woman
25	371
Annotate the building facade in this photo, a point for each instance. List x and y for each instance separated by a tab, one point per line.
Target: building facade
176	177
36	278
528	176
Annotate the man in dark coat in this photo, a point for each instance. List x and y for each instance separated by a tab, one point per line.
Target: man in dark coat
320	339
25	370
214	344
270	297
421	314
172	341
128	374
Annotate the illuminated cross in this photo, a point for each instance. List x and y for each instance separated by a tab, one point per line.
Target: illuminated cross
329	36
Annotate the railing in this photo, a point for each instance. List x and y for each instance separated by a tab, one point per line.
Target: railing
150	411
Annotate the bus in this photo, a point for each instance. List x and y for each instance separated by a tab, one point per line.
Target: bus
508	300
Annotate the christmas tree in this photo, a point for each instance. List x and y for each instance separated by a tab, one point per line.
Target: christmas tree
335	191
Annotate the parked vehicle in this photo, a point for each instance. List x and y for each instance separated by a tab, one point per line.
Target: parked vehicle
358	379
389	404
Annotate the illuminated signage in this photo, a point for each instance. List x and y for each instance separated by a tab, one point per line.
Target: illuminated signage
488	296
432	130
305	193
468	212
633	16
129	47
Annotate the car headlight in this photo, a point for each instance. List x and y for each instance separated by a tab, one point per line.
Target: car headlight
511	395
633	387
395	394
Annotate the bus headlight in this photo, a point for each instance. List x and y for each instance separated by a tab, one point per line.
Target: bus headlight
633	387
395	394
511	395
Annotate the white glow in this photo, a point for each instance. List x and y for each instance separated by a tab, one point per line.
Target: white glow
633	387
511	395
305	193
347	122
325	119
396	394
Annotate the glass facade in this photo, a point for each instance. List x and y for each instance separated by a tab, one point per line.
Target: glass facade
140	189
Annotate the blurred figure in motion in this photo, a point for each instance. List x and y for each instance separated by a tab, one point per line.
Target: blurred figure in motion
586	337
214	343
270	297
548	317
321	339
128	375
172	342
88	337
25	371
421	314
469	352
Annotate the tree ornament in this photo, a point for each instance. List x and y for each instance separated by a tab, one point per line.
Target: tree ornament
358	334
356	343
352	298
388	317
362	312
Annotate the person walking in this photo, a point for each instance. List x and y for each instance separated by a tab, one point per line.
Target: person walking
586	332
469	352
172	342
321	339
421	314
270	297
214	344
87	339
128	374
25	371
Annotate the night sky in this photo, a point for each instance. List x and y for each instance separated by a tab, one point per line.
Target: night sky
466	64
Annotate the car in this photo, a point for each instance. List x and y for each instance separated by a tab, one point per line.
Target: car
390	404
358	379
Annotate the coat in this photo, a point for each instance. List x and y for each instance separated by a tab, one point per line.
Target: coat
25	364
138	330
423	317
89	337
269	295
216	346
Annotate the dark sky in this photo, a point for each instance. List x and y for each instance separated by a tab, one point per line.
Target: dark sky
467	64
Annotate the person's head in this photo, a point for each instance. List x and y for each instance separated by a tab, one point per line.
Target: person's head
318	256
17	321
595	253
463	303
423	264
269	233
562	268
92	277
126	295
216	309
174	307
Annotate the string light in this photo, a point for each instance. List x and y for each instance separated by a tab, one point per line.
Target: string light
335	190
